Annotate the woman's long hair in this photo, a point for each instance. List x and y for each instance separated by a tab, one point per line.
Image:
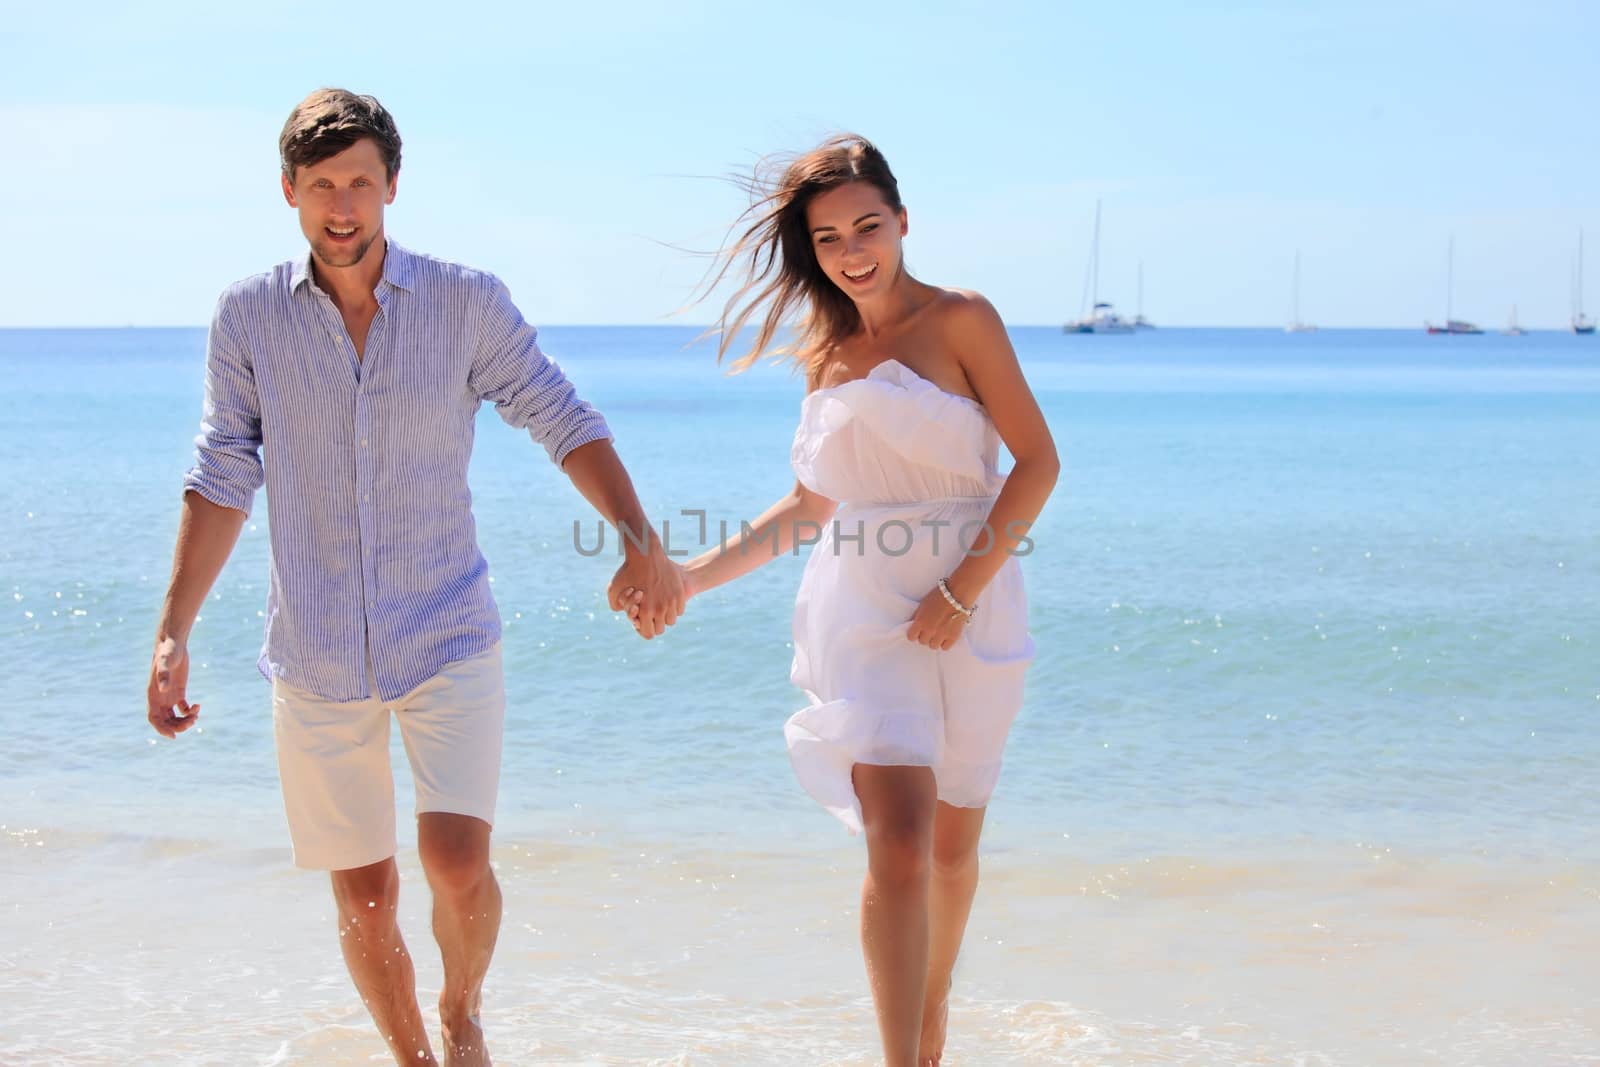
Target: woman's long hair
772	249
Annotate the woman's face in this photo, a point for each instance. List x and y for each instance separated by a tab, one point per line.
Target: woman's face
856	236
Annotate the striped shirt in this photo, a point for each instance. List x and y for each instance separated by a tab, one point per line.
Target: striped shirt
374	551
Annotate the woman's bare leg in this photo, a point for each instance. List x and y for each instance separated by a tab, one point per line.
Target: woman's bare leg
897	807
951	887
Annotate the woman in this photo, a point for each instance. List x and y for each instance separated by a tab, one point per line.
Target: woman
910	628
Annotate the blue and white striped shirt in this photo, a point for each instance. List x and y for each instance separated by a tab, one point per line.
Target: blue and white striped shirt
374	550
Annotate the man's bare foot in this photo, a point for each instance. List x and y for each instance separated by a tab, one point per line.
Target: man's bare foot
935	1018
463	1043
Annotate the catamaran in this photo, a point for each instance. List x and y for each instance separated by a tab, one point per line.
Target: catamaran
1102	317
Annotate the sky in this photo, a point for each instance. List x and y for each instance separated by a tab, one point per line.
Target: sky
580	151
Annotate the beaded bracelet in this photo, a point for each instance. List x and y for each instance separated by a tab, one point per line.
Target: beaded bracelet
954	603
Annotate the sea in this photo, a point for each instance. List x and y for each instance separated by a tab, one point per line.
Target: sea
1308	771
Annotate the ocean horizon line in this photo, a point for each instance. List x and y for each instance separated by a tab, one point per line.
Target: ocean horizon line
1237	328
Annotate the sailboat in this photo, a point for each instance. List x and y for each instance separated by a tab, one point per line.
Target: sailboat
1581	323
1452	324
1139	321
1295	325
1102	318
1512	329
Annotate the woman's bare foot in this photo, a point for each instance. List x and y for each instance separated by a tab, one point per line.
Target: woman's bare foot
935	1018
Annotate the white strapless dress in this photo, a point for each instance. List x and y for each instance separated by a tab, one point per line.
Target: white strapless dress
909	464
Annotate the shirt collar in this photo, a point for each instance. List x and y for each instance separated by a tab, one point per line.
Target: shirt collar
398	267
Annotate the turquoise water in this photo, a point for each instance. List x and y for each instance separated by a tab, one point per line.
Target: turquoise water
1338	586
1305	774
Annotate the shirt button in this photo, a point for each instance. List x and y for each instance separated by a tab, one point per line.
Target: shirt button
363	442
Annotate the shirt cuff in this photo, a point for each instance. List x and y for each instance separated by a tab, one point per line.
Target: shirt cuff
218	491
587	432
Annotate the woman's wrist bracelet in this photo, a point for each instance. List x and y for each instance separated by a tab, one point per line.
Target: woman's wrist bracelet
944	587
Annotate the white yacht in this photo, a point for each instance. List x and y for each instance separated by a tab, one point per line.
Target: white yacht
1102	317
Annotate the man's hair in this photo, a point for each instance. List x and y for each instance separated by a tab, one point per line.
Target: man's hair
331	120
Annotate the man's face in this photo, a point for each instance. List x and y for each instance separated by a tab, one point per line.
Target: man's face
341	201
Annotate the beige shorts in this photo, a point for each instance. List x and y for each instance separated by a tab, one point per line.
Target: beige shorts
333	760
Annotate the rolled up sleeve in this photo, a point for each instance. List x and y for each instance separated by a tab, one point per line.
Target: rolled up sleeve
527	387
227	470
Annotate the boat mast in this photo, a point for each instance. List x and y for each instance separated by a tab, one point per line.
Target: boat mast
1450	283
1094	257
1580	275
1088	273
1296	320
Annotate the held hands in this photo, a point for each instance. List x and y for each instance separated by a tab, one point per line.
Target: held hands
633	599
650	587
170	711
936	623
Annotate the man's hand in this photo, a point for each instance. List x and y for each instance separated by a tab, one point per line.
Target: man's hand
170	711
649	587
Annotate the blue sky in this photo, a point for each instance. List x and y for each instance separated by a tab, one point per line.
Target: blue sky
576	152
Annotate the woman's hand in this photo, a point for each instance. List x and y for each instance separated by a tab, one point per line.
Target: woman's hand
633	599
936	624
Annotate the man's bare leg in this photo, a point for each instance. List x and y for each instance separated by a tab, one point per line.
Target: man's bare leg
953	884
897	806
466	922
369	936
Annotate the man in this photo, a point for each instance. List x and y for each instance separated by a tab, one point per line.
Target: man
347	382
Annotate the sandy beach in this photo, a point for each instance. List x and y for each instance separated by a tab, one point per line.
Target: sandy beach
178	951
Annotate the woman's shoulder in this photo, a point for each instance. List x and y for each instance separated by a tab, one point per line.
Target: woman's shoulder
964	319
962	304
